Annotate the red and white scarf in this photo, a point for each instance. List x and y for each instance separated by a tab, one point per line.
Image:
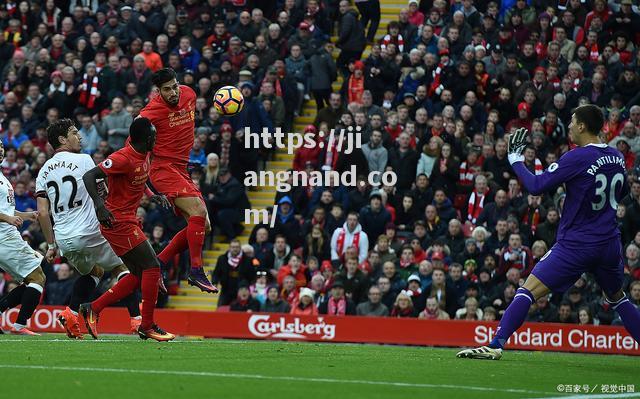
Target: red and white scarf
88	95
467	174
537	168
436	87
475	206
397	40
234	261
341	240
331	159
338	307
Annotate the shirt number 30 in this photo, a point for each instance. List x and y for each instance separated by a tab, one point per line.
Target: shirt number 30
601	190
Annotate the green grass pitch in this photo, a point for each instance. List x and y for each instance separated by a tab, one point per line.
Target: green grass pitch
117	367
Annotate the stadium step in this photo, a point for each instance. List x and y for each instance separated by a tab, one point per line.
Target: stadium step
272	165
305	119
261	194
283	156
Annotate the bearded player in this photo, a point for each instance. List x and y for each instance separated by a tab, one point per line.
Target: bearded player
588	238
127	172
172	112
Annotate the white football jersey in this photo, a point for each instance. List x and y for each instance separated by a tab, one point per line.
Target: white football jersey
7	207
70	205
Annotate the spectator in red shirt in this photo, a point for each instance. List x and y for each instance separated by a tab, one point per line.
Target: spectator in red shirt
516	255
296	269
304	304
151	59
416	17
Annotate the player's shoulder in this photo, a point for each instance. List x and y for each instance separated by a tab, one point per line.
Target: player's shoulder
121	156
72	156
586	153
154	104
3	179
47	164
188	90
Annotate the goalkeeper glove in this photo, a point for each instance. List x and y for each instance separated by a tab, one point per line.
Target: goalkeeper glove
517	144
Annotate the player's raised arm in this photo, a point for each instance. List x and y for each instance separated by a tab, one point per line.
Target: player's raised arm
556	174
90	182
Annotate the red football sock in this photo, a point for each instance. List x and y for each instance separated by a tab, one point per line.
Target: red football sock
195	237
150	278
177	245
121	290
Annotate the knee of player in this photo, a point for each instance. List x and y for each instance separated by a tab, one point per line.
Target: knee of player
36	277
614	297
199	210
207	227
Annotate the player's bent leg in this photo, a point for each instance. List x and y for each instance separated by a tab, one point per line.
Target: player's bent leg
195	211
144	256
90	312
12	299
82	289
512	319
131	301
176	246
30	299
629	314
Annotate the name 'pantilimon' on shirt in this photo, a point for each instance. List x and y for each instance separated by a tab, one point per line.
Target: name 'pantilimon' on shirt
605	160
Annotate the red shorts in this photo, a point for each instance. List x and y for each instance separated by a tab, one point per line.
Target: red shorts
123	236
172	180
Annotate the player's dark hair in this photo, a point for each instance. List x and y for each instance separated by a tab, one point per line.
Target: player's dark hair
140	130
162	76
592	117
58	129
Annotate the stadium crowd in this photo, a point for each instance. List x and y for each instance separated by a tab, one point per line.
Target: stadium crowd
435	97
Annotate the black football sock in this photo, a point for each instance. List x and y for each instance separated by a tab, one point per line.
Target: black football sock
30	300
12	299
82	289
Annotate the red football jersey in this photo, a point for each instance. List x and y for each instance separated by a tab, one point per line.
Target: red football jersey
174	125
127	171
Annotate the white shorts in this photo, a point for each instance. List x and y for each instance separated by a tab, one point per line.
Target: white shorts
18	258
85	252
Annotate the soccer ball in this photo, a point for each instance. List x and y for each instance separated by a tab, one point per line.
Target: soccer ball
228	100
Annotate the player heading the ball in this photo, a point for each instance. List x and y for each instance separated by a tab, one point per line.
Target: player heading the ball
172	112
